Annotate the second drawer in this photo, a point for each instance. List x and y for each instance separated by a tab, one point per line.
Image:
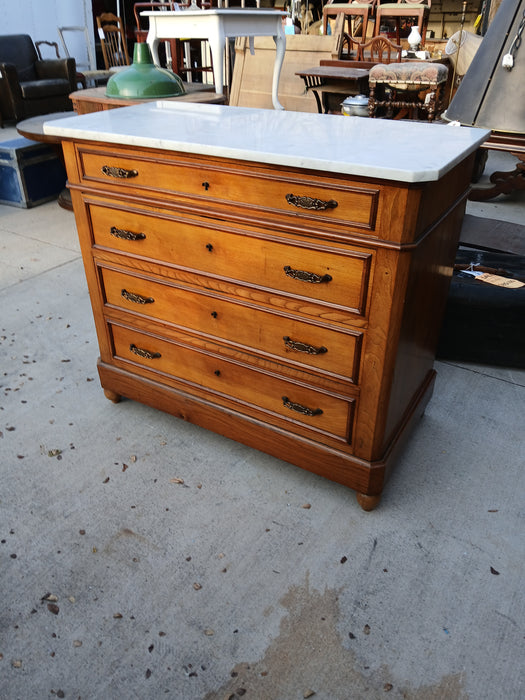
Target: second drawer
333	277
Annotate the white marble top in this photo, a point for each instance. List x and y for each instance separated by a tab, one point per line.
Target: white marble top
378	148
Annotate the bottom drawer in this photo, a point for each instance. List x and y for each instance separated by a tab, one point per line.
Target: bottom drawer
318	411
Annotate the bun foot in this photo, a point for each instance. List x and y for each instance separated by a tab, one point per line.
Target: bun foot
368	502
112	395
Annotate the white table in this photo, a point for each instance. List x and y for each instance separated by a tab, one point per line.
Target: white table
216	26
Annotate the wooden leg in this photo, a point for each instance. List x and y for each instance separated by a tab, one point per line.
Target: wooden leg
368	503
112	396
504	183
372	102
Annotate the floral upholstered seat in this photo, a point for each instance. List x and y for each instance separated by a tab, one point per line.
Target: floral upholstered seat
419	82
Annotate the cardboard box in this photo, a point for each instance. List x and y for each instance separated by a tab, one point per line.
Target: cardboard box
31	173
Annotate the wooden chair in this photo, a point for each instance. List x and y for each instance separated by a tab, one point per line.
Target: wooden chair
379	49
349	47
350	11
418	9
174	60
112	41
86	63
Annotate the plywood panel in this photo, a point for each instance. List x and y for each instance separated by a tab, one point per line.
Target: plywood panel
252	74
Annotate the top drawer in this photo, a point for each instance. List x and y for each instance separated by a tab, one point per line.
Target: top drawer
296	194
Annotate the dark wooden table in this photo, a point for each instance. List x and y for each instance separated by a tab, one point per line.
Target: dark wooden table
503	182
334	79
96	100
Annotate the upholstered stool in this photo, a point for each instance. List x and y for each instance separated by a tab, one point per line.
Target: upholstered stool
420	82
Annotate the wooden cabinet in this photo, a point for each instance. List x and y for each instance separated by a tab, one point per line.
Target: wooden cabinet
294	310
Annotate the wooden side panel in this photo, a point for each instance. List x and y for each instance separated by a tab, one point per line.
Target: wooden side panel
406	311
422	307
439	197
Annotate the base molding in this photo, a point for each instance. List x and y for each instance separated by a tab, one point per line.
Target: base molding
367	478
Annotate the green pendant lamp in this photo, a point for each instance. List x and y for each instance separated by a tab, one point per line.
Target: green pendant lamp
143	79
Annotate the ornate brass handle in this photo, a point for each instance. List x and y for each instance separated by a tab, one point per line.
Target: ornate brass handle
303	202
144	353
304	276
126	235
136	298
119	173
298	346
298	408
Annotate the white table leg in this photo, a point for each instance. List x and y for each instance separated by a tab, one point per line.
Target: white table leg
153	41
217	44
280	48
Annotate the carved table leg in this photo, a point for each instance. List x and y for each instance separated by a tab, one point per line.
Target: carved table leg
504	183
112	395
368	502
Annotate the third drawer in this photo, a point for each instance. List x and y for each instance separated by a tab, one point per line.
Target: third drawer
334	353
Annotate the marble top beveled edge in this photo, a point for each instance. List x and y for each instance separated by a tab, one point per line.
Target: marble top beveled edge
376	148
257	11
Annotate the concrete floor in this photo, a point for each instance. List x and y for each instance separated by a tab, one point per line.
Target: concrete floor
117	582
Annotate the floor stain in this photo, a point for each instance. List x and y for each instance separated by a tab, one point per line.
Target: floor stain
308	660
125	539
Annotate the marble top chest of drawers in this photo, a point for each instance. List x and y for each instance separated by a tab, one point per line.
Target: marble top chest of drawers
287	304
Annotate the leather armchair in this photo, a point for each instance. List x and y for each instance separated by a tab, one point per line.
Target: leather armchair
29	86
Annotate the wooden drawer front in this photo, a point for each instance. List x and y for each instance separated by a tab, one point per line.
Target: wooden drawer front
317	410
287	339
316	199
335	278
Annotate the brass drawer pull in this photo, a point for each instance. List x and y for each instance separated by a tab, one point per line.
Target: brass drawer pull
126	235
144	353
298	408
136	298
303	347
304	276
119	173
310	202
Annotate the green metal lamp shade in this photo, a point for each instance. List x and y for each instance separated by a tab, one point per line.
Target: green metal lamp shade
144	80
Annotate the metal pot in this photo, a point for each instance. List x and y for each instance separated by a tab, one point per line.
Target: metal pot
355	106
